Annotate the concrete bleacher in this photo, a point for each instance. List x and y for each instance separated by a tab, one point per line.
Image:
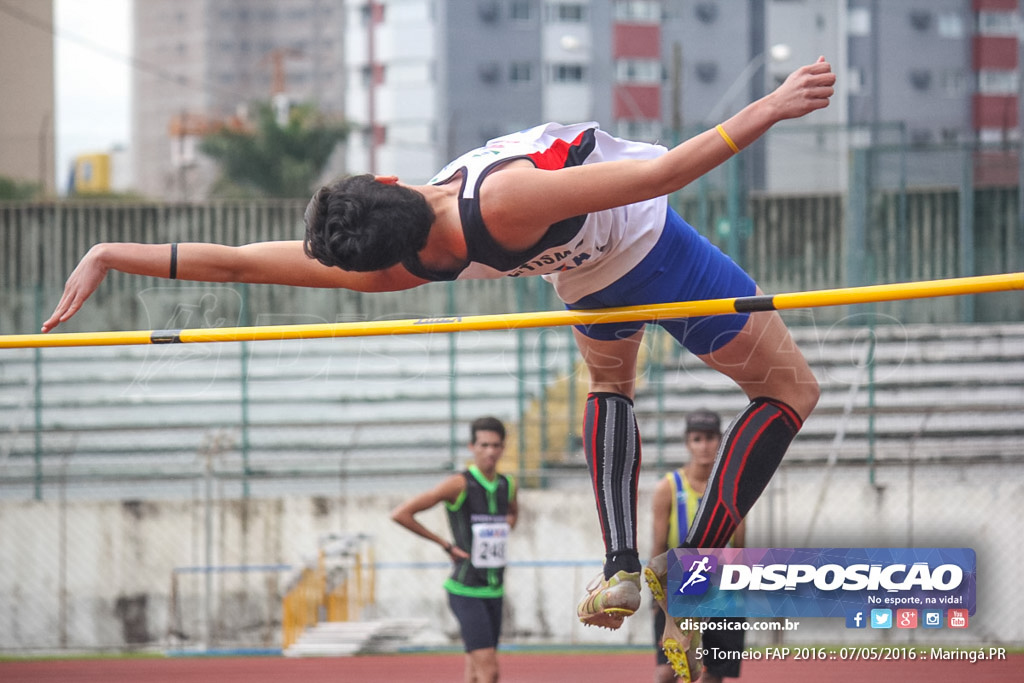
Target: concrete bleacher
373	403
382	404
935	392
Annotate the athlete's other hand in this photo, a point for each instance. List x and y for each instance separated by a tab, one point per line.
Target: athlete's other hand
805	90
82	282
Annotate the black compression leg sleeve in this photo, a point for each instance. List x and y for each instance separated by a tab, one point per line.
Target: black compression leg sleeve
751	451
612	444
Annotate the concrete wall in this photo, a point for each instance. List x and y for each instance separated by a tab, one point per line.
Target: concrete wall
82	575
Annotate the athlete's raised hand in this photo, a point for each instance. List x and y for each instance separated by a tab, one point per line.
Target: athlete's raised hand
805	90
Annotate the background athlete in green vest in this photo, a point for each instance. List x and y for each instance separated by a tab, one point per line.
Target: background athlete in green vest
482	509
676	498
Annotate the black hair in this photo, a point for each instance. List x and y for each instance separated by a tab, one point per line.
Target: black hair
359	224
486	424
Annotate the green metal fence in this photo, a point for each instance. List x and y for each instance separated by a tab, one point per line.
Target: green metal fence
883	227
115	463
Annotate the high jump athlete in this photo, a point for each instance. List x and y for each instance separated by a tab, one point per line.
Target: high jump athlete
589	212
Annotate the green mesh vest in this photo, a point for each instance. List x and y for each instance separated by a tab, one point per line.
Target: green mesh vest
479	527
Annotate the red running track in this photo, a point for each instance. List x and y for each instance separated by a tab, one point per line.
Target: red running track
516	667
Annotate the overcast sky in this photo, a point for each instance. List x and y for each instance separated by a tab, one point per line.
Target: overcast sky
93	48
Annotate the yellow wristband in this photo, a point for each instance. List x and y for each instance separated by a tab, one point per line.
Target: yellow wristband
728	140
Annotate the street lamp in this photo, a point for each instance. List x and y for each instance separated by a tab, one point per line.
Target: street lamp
779	52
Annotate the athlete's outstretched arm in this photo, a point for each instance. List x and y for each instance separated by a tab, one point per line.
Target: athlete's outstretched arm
525	198
447	491
282	263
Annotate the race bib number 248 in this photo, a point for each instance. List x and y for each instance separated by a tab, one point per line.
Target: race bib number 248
490	544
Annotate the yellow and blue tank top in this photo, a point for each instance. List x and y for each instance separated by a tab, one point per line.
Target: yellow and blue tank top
685	503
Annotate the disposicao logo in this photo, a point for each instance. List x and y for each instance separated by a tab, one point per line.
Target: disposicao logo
696	579
825	582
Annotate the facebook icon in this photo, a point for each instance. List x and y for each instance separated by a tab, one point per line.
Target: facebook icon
856	619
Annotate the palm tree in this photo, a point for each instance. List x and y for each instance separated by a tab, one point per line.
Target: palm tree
274	160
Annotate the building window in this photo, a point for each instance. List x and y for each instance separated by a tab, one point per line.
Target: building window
997	23
920	79
858	21
371	74
920	19
519	10
638	71
644	131
372	11
488	11
707	72
375	135
520	72
567	73
854	80
991	135
950	25
953	82
638	10
920	137
567	12
993	82
706	12
490	72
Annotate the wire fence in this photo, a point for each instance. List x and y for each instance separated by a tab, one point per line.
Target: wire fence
121	467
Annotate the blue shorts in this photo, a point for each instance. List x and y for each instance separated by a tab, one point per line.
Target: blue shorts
479	620
682	266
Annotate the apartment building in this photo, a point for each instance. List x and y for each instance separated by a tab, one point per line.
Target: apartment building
27	98
200	62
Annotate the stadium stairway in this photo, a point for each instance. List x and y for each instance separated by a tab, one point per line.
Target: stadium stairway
347	638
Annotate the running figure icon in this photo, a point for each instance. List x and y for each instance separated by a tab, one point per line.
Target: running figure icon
697	570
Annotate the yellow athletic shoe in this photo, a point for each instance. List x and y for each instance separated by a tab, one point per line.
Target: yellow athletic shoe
680	654
610	601
679	646
656	577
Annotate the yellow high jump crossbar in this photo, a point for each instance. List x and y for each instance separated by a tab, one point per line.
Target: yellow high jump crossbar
512	321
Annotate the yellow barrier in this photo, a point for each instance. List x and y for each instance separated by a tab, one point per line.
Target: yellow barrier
510	321
312	600
300	607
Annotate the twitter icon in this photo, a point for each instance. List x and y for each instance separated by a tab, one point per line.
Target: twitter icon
881	618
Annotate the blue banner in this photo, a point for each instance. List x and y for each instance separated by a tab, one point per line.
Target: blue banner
818	582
